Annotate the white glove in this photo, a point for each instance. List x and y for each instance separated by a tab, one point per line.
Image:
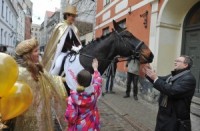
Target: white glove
76	49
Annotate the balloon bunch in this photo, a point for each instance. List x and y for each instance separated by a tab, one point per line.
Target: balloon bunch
15	96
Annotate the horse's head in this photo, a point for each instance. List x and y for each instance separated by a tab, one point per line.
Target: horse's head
129	45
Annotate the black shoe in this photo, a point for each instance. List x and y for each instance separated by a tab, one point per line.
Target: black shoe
126	96
135	97
112	92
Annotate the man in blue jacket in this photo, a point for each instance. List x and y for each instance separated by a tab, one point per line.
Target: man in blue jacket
177	90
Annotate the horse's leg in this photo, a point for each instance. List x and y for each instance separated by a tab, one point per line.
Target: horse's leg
67	88
58	64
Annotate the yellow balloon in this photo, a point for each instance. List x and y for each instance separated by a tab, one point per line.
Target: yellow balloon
17	101
8	73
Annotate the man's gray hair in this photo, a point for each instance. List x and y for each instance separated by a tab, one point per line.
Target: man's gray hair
188	60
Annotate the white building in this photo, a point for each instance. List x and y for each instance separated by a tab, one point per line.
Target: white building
20	22
44	30
8	24
35	31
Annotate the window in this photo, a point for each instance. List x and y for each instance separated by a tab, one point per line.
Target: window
2	9
6	13
122	23
5	38
106	2
9	17
12	22
105	31
1	36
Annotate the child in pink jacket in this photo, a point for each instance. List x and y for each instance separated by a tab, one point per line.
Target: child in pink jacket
82	112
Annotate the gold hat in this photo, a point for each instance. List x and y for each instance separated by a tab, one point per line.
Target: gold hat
70	10
26	46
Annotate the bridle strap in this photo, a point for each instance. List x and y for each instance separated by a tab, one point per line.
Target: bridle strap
137	48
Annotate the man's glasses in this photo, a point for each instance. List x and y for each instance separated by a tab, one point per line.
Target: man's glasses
179	61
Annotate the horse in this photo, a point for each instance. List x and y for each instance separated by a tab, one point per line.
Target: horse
120	42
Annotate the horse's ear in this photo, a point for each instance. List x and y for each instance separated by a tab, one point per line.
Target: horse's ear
117	27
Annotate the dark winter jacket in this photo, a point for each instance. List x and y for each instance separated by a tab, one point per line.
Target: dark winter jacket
175	115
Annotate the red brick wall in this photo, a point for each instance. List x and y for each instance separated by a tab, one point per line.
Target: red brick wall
28	22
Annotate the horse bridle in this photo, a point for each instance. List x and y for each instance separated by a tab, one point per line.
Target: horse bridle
137	51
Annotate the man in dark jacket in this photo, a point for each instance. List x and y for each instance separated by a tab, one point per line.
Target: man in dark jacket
177	90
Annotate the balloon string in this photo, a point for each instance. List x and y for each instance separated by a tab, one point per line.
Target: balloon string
2	126
0	111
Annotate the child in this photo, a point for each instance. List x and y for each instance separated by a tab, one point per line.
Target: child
82	112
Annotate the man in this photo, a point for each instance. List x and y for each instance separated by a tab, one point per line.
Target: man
3	49
132	76
111	71
177	90
64	39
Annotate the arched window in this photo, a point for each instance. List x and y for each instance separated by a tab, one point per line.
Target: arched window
193	18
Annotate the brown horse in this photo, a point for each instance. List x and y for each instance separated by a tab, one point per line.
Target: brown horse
120	42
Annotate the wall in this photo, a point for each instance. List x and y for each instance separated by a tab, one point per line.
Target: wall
169	33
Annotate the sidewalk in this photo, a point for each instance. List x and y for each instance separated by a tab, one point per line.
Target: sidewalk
141	114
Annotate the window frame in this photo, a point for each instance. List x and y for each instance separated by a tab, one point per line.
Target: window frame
105	31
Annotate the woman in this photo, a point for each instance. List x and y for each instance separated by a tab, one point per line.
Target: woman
48	102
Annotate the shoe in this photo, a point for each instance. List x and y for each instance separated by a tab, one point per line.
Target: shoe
106	92
112	92
126	96
135	97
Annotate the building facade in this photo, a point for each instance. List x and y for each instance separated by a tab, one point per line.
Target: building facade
44	29
169	27
51	23
28	6
8	24
35	31
20	22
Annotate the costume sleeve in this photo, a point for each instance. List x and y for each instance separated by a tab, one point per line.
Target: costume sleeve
179	89
71	113
97	82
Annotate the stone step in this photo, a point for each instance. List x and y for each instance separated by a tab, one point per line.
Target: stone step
195	106
196	100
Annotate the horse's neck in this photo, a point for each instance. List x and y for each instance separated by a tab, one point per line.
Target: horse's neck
104	51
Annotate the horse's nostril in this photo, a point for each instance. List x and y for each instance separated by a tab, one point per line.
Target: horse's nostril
151	57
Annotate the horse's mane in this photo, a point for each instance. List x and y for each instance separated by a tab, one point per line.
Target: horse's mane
96	41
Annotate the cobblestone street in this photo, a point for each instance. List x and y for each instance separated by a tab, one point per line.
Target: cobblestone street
119	114
111	120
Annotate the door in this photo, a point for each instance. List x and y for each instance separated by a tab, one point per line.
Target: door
191	41
192	48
